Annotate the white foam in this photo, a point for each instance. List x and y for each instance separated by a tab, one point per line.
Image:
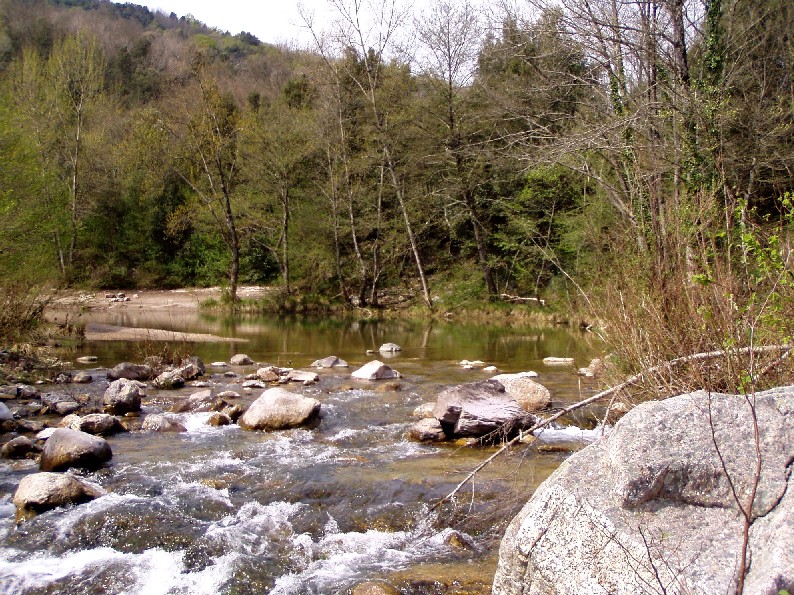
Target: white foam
569	434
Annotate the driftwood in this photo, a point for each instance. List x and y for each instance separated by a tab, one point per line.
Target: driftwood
516	299
784	350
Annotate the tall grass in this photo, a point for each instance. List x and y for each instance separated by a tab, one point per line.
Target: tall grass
21	313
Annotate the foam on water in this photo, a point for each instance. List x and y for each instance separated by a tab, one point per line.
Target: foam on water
152	572
570	434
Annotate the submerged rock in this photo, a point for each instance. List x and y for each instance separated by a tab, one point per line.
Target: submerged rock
67	448
651	504
131	371
375	370
122	396
558	361
531	395
40	492
279	409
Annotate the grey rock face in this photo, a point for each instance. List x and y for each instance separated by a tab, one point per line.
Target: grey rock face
67	448
122	396
478	408
40	492
649	508
131	371
279	409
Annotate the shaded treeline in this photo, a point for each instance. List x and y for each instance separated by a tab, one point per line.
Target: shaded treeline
563	151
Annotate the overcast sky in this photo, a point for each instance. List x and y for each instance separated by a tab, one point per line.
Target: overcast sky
272	21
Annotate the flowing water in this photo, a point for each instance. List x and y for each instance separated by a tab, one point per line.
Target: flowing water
222	510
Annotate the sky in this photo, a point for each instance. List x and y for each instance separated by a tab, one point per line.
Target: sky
272	21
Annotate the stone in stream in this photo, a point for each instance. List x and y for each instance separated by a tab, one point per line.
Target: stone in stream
302	376
199	402
650	504
241	359
5	413
268	374
558	361
479	408
40	492
330	362
531	395
122	396
67	448
375	588
87	359
279	409
424	411
169	380
98	424
160	422
375	370
82	378
389	348
20	447
60	403
131	371
427	430
219	419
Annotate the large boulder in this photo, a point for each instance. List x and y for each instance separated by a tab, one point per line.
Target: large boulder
479	408
122	396
279	409
40	492
652	507
131	371
67	448
531	395
375	370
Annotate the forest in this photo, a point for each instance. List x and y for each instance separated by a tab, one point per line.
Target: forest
630	158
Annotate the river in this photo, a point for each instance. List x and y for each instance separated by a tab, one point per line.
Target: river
222	510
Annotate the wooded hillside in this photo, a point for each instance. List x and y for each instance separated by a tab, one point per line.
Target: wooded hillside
561	151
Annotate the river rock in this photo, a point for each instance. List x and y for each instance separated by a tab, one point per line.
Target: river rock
82	378
192	367
649	507
479	408
122	396
424	411
241	359
87	359
26	391
253	384
60	403
98	424
40	492
558	361
5	413
531	395
219	419
67	448
19	448
330	362
279	409
159	422
375	370
374	588
302	376
201	401
169	380
131	371
389	348
427	430
268	374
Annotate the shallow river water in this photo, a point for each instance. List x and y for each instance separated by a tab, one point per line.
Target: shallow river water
222	510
